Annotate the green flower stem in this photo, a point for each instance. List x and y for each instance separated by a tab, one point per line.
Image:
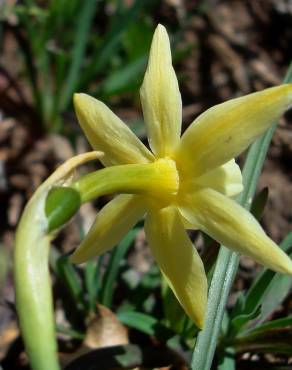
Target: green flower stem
32	286
227	262
33	292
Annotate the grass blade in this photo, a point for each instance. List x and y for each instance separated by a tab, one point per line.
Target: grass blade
113	267
82	32
111	43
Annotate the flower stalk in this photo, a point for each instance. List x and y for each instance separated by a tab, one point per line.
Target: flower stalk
33	289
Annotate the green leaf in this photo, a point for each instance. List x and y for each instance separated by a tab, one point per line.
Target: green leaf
137	39
89	272
85	19
71	280
112	271
111	42
240	320
144	323
124	79
139	321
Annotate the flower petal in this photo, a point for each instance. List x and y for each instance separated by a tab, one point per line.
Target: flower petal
226	179
160	97
230	224
111	225
226	130
105	131
178	260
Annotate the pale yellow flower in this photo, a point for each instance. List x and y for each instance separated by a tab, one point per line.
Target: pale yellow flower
183	182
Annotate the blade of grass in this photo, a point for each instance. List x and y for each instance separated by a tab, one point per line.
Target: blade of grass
82	31
124	79
89	273
227	262
70	278
139	321
110	44
114	265
145	323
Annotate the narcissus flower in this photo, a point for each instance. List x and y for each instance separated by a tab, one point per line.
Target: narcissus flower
183	182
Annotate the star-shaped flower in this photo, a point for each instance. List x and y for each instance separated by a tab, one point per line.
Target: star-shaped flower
198	175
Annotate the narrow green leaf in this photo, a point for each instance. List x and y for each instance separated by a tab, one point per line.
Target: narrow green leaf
139	321
240	320
90	283
113	268
86	15
110	43
145	323
122	80
71	279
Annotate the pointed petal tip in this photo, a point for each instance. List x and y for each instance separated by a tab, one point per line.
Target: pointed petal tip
284	93
160	28
78	98
161	36
287	269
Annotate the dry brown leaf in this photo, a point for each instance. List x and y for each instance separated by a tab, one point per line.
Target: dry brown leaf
103	330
